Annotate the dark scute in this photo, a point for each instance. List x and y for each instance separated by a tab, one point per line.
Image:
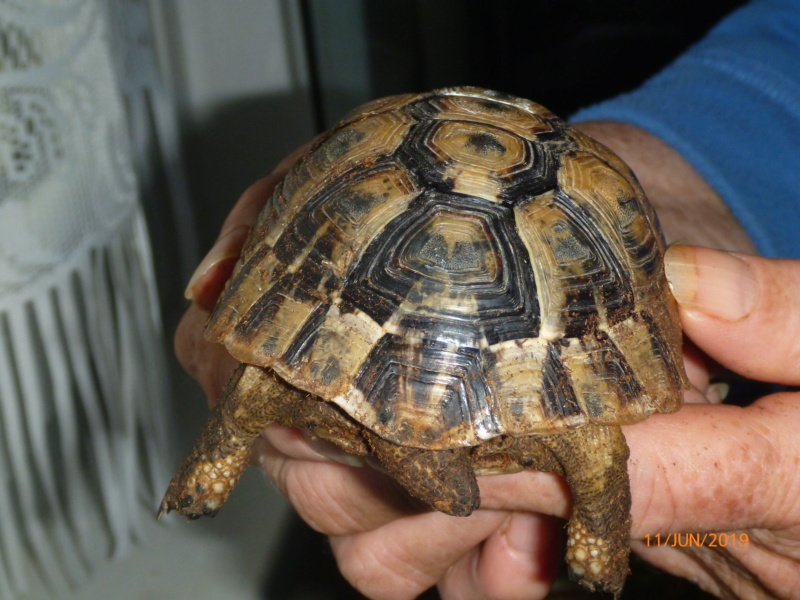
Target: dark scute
543	156
232	287
338	201
263	310
328	372
645	253
313	275
600	271
617	370
460	329
661	348
350	205
337	146
558	396
430	252
398	366
304	340
401	263
417	157
541	177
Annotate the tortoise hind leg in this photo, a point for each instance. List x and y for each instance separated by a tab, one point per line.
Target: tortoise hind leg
443	479
594	459
252	399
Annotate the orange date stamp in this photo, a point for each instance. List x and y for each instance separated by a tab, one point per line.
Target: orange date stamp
688	540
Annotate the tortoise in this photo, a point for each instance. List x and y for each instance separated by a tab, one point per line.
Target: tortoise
454	283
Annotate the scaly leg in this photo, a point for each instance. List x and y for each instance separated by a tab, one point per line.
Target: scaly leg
594	459
252	399
443	479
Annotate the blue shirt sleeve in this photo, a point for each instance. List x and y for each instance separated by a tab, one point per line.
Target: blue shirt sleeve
731	106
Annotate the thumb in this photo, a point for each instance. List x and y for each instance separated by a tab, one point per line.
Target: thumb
742	310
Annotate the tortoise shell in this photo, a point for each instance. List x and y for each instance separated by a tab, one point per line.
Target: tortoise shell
458	265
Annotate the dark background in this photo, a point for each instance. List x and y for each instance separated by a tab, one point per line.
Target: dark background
564	54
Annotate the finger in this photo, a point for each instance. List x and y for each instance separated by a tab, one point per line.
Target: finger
740	309
300	445
210	364
696	364
334	498
406	557
701	468
519	560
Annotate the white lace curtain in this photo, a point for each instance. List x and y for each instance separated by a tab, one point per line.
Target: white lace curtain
82	388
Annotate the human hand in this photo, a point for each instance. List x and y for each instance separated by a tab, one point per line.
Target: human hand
389	549
708	468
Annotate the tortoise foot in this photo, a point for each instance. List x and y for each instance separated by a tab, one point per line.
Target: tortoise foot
596	562
203	486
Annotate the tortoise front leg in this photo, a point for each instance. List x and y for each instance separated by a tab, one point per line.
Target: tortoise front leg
220	454
594	459
252	399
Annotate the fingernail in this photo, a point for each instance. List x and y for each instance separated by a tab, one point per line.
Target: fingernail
226	247
519	534
719	284
718	392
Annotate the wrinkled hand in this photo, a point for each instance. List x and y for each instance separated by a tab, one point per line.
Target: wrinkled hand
708	468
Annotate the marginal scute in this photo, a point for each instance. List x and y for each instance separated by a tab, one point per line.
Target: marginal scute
604	382
526	124
643	342
334	351
427	390
532	387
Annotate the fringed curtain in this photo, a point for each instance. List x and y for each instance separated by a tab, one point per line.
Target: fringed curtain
83	399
